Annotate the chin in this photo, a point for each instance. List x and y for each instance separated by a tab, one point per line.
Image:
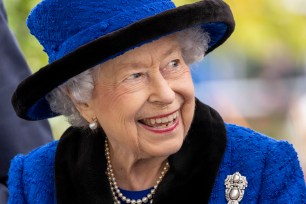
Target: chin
169	148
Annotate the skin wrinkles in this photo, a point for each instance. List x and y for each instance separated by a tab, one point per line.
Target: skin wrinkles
128	63
158	83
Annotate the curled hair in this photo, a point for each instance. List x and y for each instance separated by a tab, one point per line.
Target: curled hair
80	87
193	42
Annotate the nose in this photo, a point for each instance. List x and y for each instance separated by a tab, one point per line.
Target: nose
161	92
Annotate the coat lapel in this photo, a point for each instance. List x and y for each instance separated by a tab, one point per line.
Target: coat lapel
80	164
80	168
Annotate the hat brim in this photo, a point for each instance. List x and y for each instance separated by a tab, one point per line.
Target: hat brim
214	16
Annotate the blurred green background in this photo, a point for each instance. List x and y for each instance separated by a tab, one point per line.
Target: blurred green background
256	79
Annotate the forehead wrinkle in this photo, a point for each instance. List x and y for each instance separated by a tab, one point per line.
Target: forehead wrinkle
121	65
136	63
171	50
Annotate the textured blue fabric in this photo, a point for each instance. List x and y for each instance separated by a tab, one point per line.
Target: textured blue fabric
31	178
271	167
85	21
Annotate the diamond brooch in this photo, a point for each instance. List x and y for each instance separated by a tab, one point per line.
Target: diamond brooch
235	186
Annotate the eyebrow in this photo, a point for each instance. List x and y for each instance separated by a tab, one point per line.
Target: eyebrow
136	64
171	50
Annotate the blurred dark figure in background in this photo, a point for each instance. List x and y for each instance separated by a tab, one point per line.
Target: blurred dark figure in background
17	135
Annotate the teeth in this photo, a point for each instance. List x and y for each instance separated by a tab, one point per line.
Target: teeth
154	121
164	120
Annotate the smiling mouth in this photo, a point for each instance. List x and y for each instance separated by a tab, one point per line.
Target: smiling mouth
162	122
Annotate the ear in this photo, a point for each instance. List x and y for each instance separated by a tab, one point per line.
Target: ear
85	109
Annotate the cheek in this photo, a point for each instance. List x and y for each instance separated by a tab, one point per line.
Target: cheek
118	117
108	97
185	86
187	114
186	92
118	103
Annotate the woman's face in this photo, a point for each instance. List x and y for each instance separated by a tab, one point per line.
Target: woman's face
144	99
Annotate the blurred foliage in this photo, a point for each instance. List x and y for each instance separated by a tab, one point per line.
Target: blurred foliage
262	28
17	11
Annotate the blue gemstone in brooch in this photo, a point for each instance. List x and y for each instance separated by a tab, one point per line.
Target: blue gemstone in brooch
235	185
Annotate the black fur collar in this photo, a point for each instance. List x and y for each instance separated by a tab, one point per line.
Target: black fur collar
80	164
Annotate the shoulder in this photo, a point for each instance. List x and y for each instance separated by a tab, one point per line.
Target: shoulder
248	147
37	158
237	132
244	137
40	156
250	143
32	173
38	162
43	154
271	165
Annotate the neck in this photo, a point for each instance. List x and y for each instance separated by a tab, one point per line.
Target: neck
139	178
137	175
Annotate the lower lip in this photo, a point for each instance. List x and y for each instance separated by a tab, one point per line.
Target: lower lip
164	130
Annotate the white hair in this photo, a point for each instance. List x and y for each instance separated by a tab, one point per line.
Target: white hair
193	42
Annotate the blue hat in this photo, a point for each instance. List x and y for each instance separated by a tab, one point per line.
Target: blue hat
79	34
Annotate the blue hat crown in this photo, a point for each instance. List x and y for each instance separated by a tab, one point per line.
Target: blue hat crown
65	25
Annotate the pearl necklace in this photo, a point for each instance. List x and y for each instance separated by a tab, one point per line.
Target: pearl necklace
117	195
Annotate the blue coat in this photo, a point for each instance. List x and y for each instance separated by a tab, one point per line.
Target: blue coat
271	168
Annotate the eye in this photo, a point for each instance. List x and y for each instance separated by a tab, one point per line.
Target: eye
134	76
174	63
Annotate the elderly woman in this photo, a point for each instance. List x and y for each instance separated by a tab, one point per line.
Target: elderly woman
118	70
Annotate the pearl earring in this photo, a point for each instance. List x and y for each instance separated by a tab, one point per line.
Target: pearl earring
93	125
